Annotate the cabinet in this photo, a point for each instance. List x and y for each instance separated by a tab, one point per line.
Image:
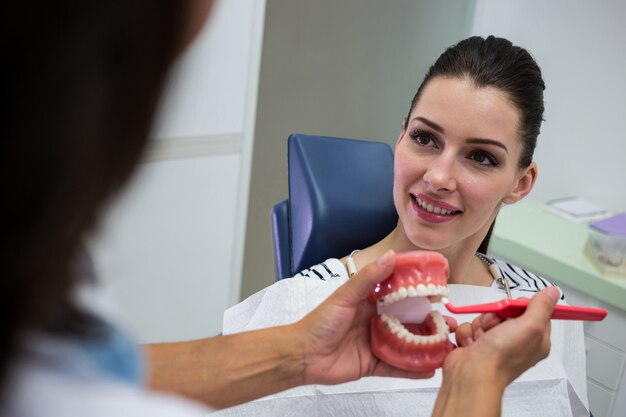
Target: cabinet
605	344
530	235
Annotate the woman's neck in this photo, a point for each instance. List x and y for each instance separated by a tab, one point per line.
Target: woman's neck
465	267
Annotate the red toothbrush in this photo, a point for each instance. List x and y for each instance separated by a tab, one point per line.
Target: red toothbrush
508	308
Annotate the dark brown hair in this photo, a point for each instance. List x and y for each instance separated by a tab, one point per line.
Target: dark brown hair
79	80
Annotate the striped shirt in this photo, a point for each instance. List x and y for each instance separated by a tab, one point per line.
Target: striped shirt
519	279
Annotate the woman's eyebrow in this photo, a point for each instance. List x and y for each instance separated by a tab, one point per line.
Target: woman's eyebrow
430	123
482	141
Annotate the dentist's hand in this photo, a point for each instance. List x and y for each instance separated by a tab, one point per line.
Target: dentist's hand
337	334
517	344
492	353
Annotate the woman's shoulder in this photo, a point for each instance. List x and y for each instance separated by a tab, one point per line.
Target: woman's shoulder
521	279
330	270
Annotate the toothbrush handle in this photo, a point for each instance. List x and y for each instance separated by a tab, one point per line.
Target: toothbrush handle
565	312
513	308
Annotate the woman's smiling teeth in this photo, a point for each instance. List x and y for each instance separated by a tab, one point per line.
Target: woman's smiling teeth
434	209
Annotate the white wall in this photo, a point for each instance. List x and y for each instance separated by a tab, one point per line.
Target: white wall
579	46
171	249
166	251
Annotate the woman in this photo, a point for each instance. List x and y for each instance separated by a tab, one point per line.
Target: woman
464	150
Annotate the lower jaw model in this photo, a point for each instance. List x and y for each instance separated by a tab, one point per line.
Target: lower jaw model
406	333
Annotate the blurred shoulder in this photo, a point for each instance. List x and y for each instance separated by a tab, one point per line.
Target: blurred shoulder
60	394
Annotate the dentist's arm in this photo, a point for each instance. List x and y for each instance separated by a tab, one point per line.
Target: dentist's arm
329	346
491	355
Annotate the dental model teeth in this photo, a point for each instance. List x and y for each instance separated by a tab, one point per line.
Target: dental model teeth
420	291
398	329
407	333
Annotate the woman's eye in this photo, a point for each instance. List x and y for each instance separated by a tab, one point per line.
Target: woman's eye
422	138
483	158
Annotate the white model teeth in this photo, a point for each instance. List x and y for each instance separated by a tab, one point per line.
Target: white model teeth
420	290
433	209
401	332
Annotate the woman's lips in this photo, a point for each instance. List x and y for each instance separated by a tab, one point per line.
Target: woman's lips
431	210
407	333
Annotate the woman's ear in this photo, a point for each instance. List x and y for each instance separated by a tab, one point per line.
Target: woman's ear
525	183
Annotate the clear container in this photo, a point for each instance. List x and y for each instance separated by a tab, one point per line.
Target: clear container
607	251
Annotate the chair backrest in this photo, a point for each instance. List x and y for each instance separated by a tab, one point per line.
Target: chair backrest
340	199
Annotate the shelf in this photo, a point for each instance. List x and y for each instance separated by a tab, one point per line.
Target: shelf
531	236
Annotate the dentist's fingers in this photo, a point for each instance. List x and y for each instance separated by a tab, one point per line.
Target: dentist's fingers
539	310
489	320
468	333
464	335
358	287
452	323
541	306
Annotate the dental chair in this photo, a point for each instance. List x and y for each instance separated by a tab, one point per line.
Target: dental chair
340	199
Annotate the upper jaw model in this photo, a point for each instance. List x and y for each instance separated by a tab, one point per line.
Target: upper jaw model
406	333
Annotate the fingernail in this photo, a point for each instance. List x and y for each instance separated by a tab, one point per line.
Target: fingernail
554	293
386	258
468	341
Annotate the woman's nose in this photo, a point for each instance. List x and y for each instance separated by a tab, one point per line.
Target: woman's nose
440	175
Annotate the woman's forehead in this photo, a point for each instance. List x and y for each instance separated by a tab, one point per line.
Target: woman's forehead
459	107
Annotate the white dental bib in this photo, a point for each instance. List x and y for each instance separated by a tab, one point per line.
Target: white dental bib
555	387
